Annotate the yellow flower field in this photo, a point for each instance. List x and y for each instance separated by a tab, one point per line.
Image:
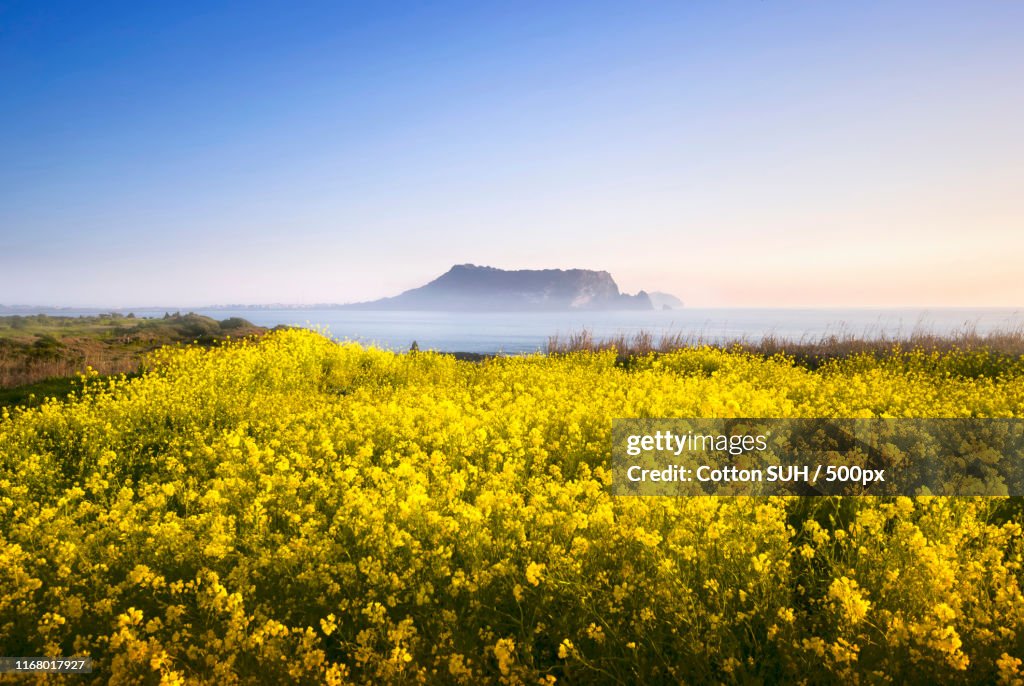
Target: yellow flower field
299	511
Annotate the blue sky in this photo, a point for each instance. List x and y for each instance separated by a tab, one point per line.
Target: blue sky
732	153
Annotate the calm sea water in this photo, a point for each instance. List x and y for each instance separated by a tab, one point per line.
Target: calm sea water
518	332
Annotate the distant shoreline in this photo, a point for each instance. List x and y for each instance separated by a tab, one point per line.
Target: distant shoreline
58	310
42	355
522	332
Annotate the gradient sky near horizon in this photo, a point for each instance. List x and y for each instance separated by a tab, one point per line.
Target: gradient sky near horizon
781	154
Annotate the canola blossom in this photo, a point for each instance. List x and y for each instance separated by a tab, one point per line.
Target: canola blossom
294	510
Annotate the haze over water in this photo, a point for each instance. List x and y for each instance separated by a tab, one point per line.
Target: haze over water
524	332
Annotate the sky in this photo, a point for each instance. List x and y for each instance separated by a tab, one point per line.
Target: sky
735	154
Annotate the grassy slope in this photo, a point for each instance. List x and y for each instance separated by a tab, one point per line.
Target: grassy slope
40	355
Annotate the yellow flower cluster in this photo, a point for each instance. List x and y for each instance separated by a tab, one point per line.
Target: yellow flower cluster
295	510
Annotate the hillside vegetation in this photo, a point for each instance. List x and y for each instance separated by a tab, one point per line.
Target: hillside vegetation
292	510
47	352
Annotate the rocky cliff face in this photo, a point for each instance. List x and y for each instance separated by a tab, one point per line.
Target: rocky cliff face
469	287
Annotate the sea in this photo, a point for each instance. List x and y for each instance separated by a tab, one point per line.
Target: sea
528	332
